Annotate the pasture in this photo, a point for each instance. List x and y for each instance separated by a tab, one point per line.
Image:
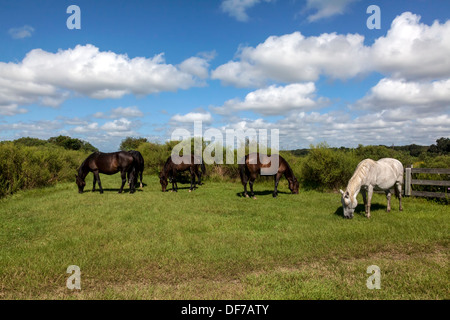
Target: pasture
214	244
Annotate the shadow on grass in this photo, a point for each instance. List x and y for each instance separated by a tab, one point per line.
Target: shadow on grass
360	210
125	190
260	193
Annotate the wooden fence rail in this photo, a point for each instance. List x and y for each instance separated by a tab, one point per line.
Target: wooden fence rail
409	182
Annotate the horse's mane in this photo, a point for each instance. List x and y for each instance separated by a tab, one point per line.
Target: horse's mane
288	168
80	169
362	170
166	164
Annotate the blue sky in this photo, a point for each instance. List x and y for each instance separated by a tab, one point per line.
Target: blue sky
309	68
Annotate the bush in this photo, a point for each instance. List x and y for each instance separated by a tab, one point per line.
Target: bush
326	169
26	167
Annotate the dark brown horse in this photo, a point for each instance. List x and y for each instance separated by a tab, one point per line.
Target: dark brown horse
251	168
170	170
107	163
139	160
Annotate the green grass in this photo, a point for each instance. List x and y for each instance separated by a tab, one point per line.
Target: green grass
214	244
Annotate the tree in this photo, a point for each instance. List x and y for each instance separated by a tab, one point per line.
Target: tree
441	147
130	143
72	143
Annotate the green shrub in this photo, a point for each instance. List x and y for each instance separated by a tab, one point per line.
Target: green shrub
326	169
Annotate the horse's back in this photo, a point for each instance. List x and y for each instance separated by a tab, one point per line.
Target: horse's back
393	164
389	172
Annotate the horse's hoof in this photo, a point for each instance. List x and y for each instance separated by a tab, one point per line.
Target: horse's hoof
247	196
190	190
254	197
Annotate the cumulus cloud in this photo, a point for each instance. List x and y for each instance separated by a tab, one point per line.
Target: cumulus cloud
11	110
300	129
48	78
413	50
275	100
21	33
238	8
193	116
296	58
410	50
408	97
120	112
327	8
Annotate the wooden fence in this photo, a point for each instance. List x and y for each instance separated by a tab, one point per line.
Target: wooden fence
410	181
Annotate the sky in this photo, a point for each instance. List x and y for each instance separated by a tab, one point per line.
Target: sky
316	70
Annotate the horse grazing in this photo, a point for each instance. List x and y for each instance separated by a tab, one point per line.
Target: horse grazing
251	168
170	170
139	160
107	163
369	174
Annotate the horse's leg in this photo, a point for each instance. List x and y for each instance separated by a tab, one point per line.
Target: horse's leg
369	199
140	176
192	179
277	180
388	197
244	180
93	187
398	193
97	177
123	174
364	196
199	176
251	181
245	187
174	181
134	176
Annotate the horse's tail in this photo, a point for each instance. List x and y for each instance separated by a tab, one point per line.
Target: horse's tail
242	172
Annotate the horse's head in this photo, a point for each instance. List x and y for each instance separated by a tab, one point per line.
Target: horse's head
293	186
348	205
80	183
163	181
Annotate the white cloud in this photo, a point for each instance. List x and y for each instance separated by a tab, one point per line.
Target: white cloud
11	110
86	128
196	66
237	8
21	33
275	100
413	50
296	58
47	78
193	116
327	8
300	129
410	50
411	98
120	112
122	124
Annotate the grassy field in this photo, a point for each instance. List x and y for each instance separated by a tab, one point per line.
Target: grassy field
214	244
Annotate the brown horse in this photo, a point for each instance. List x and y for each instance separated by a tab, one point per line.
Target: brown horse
251	168
170	170
107	163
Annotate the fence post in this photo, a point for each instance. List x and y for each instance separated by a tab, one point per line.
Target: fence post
408	181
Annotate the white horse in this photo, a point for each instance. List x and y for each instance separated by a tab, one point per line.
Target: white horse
382	174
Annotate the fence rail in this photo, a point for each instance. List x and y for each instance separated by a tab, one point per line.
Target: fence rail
409	182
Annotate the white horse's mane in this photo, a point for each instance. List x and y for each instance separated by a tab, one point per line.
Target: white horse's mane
362	170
